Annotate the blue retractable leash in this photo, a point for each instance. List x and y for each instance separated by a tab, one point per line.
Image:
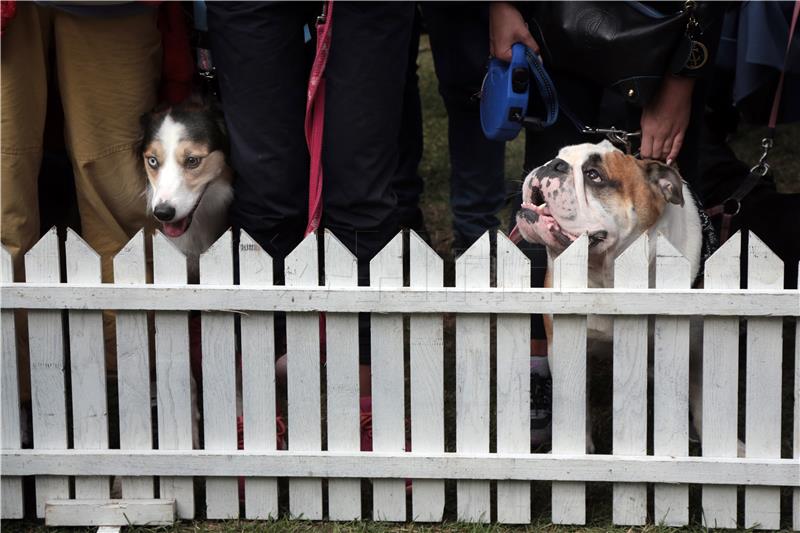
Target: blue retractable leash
504	95
504	100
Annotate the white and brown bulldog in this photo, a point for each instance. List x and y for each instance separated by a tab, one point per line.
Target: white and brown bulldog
614	198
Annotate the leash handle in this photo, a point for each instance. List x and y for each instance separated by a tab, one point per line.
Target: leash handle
315	116
546	90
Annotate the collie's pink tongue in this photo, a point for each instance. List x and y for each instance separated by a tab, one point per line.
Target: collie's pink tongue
176	229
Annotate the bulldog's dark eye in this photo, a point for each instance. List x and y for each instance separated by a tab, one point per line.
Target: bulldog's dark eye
594	175
192	162
152	162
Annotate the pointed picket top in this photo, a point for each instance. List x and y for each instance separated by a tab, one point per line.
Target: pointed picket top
83	263
672	268
6	265
472	268
513	267
571	268
216	263
129	263
39	264
301	264
341	266
632	266
764	268
255	265
386	268
722	268
426	267
169	263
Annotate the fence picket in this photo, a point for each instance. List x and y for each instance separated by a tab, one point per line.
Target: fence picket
303	380
87	367
721	384
258	379
427	380
175	411
568	368
48	389
796	433
342	364
219	379
472	381
513	383
388	388
133	368
671	385
630	383
10	435
763	386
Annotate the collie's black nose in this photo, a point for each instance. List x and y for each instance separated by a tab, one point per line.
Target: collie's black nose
164	212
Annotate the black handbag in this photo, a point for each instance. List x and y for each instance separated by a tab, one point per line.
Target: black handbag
626	46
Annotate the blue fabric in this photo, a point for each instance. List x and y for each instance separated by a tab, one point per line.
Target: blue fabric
754	45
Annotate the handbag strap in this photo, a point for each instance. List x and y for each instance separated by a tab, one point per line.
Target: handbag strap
731	207
315	116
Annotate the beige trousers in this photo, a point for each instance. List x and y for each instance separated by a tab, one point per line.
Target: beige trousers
108	70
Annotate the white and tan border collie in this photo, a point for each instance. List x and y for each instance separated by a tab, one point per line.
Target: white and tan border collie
184	151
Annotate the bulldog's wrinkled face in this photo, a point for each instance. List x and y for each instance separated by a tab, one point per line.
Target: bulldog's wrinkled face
595	189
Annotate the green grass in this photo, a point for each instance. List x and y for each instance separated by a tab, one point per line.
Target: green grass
435	169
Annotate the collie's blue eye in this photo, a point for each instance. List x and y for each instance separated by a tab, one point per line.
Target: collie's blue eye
192	162
152	162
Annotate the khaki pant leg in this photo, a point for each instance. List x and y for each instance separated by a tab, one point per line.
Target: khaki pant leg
24	104
109	69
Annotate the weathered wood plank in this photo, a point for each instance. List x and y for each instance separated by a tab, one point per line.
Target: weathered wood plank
388	392
341	270
173	374
104	512
675	302
258	379
630	384
472	381
720	384
133	368
513	383
506	467
303	380
48	388
427	380
671	386
10	435
796	434
87	367
568	368
763	386
219	379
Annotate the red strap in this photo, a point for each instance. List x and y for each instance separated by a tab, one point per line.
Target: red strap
315	116
776	103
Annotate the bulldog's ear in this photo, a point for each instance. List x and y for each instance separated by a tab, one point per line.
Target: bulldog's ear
667	179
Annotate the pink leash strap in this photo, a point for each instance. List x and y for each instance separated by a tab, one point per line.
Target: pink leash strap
315	116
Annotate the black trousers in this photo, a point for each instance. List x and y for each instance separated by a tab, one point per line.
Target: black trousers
263	65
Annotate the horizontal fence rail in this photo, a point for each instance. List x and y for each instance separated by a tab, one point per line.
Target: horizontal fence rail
211	418
235	298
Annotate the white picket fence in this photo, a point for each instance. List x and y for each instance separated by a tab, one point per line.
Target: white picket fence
308	461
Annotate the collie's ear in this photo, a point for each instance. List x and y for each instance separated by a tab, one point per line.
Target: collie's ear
667	179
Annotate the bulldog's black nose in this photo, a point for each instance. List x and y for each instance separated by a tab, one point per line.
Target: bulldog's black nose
164	212
558	165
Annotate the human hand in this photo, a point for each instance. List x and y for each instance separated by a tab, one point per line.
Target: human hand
506	27
665	119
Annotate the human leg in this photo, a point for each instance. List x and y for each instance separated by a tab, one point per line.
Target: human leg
459	36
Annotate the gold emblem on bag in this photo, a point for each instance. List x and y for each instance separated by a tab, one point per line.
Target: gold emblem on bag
698	56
